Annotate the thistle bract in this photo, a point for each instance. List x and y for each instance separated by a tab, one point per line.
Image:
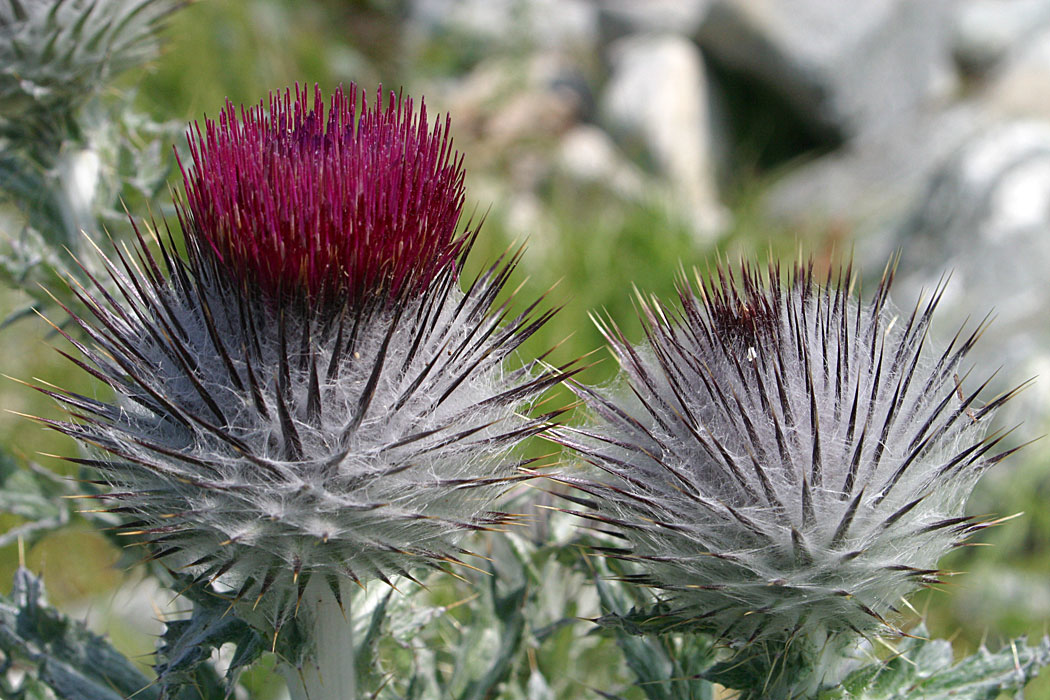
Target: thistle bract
309	393
786	461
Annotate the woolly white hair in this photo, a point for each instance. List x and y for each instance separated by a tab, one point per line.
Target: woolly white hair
260	444
783	459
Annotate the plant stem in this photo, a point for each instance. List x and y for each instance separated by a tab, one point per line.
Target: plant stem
330	673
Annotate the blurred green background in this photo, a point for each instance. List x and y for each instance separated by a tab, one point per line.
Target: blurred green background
591	246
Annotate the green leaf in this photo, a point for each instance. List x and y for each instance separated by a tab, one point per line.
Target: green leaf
667	667
28	260
33	493
75	663
924	669
61	52
509	609
187	645
365	651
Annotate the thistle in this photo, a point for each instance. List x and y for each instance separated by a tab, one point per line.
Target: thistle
65	125
308	397
57	53
786	462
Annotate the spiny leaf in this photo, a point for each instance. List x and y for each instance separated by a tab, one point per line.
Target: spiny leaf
924	669
364	653
69	659
665	670
509	609
32	493
187	644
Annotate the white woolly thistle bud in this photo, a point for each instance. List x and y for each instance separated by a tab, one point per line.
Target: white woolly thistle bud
786	462
309	394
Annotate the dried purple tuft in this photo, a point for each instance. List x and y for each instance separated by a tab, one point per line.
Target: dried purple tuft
308	395
789	462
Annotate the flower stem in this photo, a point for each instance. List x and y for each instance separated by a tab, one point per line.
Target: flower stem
330	673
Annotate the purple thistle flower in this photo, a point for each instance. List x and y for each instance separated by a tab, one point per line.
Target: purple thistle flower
308	395
348	204
785	461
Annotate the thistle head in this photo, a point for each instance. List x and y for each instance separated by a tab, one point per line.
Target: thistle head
55	54
348	203
786	461
309	393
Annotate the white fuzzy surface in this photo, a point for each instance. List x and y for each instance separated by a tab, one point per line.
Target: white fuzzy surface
749	426
364	488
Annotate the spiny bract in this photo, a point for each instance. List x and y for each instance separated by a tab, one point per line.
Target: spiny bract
339	410
786	460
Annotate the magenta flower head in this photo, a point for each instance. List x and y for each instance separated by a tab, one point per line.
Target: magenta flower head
784	462
338	206
309	394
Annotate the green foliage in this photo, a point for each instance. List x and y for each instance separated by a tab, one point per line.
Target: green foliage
668	667
924	668
187	645
484	654
65	657
69	151
508	608
43	501
54	55
512	630
33	494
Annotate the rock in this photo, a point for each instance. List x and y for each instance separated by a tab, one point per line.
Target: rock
621	17
509	110
1021	85
588	155
848	67
657	101
541	114
985	219
876	180
873	182
548	23
985	32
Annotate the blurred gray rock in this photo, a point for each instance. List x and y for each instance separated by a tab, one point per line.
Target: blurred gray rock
588	155
514	109
658	100
873	182
986	219
987	31
848	67
620	17
877	179
1021	85
549	23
